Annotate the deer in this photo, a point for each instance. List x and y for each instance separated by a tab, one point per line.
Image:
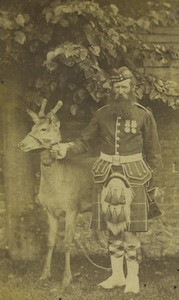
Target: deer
65	185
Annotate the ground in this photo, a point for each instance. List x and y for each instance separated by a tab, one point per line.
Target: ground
19	280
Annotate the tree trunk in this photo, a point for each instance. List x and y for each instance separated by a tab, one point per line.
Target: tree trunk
17	166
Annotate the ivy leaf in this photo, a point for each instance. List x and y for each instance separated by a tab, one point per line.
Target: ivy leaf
58	10
139	92
159	88
123	35
68	9
48	17
140	22
79	96
114	9
146	47
129	22
96	67
20	20
115	39
74	109
143	23
111	31
57	51
168	5
20	37
83	54
156	22
154	95
51	66
90	38
95	50
26	17
113	34
106	85
171	102
164	61
155	15
146	24
6	23
124	48
51	55
92	24
53	86
113	53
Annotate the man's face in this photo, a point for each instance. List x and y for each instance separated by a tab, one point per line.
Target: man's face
122	89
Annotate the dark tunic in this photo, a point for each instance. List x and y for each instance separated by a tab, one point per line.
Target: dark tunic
121	136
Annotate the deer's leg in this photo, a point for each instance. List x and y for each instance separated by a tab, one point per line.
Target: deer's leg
53	225
69	234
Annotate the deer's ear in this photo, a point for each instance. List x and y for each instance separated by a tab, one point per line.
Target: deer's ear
33	115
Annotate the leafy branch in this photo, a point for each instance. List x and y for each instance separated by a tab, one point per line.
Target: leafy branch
83	41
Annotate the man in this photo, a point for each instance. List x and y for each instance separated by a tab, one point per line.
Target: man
128	132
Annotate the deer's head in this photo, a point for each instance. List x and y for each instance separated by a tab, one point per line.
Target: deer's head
45	132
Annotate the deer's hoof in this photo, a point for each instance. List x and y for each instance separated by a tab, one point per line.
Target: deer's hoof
66	282
45	276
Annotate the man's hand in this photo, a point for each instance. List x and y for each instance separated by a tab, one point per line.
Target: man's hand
59	151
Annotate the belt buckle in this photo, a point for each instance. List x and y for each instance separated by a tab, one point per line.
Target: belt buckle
116	160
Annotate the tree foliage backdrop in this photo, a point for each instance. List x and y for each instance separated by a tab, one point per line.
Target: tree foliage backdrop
68	49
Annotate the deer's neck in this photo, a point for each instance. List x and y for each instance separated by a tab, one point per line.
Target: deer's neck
46	157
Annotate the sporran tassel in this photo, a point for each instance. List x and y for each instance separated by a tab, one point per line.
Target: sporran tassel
122	216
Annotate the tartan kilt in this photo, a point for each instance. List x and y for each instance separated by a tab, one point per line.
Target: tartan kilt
139	210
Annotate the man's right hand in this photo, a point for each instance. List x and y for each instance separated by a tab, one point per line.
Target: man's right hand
59	151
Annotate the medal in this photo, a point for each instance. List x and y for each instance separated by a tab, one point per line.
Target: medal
127	129
127	126
130	126
133	126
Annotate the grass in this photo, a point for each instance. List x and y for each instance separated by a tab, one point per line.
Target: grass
159	280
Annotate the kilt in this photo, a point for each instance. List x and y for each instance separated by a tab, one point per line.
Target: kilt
139	177
139	210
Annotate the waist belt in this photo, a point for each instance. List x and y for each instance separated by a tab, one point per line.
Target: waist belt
121	159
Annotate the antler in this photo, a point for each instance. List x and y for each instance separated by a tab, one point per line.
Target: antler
42	109
33	115
57	107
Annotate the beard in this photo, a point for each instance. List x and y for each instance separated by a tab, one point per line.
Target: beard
123	105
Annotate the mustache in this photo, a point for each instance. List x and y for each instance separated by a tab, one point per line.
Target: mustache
129	97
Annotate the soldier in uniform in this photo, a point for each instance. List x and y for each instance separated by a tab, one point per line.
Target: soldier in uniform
130	150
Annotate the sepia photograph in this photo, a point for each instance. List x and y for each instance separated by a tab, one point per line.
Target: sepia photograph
89	150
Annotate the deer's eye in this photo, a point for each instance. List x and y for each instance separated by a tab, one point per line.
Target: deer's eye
44	129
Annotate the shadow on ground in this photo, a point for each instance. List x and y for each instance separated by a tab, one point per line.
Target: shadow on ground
19	280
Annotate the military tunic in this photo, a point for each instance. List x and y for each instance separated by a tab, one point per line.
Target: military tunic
125	137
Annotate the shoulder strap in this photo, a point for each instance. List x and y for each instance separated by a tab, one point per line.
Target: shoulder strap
103	107
142	107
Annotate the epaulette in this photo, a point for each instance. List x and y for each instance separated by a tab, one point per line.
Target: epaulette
143	107
103	107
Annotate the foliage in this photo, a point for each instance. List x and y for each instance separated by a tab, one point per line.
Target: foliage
70	48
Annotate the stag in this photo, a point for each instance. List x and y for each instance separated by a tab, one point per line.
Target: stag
65	185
